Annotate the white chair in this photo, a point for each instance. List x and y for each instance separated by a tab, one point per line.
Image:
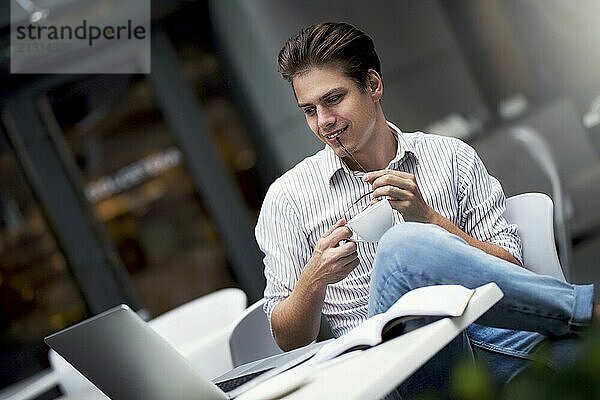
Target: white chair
32	387
538	149
533	213
251	337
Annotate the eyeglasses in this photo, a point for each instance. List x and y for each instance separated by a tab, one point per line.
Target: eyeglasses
350	211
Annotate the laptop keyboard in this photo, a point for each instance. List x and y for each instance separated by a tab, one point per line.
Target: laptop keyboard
233	383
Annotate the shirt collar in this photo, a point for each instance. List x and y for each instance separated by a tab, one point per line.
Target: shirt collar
334	164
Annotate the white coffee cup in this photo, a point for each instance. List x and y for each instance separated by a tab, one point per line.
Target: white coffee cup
370	224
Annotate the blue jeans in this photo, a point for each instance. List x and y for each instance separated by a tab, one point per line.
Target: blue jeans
534	308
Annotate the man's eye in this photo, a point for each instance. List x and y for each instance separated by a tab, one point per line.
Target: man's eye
334	99
309	110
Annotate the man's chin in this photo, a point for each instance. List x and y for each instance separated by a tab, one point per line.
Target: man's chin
339	151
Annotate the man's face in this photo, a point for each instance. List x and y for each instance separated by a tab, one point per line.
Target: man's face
336	108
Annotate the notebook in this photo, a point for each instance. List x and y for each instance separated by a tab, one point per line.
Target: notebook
126	359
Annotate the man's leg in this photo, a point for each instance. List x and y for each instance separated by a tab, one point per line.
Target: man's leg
508	352
412	255
434	376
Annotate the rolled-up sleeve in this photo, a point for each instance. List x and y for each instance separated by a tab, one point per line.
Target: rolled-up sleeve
482	204
280	237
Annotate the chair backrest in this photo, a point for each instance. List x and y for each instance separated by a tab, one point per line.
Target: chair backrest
199	329
538	149
251	337
533	213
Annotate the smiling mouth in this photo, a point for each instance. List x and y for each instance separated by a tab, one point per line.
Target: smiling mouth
333	135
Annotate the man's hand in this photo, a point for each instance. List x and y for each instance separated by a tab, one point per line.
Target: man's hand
405	197
331	261
403	194
297	318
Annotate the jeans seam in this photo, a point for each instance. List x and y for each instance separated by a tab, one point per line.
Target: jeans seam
529	356
502	350
526	311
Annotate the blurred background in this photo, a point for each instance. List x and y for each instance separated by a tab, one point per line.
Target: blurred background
145	189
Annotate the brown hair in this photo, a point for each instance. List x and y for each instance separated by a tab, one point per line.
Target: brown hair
326	43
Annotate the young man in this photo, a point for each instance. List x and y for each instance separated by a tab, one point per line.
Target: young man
448	211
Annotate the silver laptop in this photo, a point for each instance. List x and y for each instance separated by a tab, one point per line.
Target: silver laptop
126	359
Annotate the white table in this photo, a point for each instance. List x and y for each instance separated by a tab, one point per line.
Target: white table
364	375
373	373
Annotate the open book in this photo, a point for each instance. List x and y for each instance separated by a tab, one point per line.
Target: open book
379	369
415	309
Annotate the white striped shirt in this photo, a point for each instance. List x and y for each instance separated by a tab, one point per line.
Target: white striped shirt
306	201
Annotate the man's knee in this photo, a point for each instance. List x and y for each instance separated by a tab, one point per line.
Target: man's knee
397	252
409	250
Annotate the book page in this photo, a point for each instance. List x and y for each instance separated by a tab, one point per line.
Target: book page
439	300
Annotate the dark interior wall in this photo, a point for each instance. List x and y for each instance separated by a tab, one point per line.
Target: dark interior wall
426	77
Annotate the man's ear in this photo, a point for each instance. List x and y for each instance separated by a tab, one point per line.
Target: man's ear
374	85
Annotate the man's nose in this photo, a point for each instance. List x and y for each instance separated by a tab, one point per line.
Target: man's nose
326	118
